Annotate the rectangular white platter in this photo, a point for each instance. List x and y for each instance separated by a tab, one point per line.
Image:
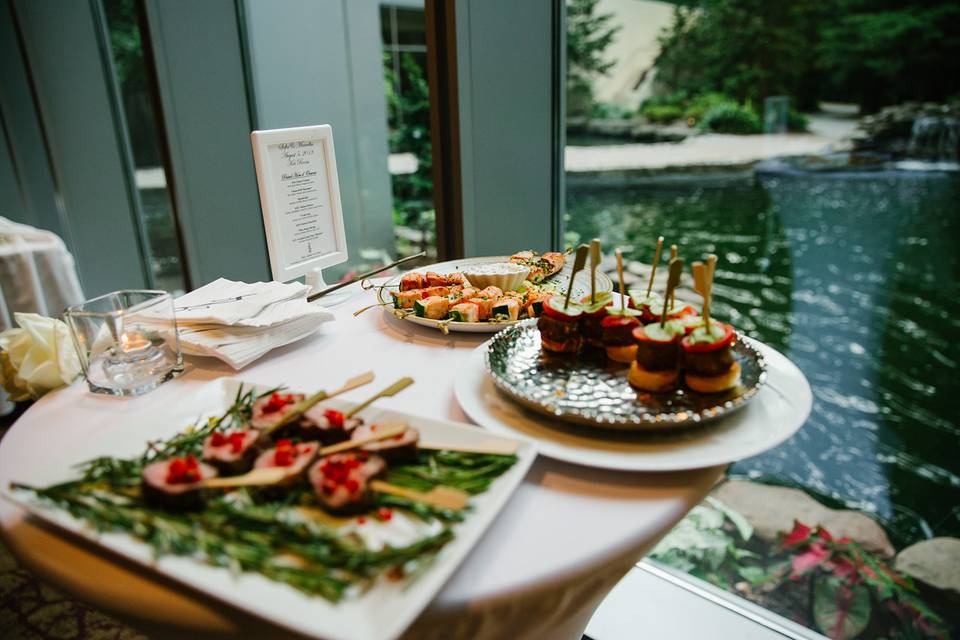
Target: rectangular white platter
381	613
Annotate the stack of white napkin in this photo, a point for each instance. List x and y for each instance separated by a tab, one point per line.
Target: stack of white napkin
238	322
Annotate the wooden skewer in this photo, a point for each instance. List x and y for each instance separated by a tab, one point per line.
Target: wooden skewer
578	262
699	278
594	264
352	383
672	298
490	446
673	279
363	276
273	475
441	497
623	289
392	390
653	266
708	295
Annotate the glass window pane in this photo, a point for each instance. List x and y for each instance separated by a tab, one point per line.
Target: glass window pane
408	120
166	258
763	133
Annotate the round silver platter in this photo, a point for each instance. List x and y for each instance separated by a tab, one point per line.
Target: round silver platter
591	390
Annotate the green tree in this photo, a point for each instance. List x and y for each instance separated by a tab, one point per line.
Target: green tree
747	49
408	119
879	52
874	52
588	36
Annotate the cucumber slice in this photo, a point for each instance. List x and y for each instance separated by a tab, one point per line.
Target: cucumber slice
420	309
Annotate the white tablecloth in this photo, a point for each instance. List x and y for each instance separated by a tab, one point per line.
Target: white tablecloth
37	273
566	537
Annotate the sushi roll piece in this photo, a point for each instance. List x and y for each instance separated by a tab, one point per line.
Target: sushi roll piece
232	453
617	336
484	306
396	450
533	303
176	484
329	426
492	292
507	307
412	281
434	307
708	359
560	327
464	312
406	299
656	367
295	457
270	410
341	482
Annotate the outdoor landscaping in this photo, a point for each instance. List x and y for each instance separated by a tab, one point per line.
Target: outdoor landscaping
834	245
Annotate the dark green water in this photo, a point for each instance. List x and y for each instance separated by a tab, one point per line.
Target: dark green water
855	278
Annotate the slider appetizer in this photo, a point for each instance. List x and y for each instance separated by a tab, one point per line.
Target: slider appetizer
617	327
560	323
657	364
591	318
708	359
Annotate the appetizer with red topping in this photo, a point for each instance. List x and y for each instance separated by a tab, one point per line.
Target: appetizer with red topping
231	452
341	481
618	326
656	367
273	409
295	457
708	359
329	426
396	450
175	484
560	326
591	328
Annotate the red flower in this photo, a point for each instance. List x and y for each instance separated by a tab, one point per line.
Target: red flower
800	533
810	559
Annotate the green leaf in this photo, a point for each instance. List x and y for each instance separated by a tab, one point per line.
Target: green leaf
744	528
841	610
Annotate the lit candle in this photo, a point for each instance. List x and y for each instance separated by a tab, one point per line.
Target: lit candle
134	343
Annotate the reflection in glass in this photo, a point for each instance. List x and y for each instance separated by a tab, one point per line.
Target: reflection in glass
165	255
408	120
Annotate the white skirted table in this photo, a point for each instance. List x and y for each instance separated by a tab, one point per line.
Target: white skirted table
563	541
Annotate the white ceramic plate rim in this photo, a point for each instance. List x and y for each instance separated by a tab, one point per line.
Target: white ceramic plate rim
604	283
382	613
774	415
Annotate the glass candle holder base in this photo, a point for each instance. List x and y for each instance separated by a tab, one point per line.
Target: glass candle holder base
127	341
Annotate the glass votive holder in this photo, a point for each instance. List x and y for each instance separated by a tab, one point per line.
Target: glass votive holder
127	341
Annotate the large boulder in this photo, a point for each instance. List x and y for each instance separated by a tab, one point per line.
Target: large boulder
771	510
934	562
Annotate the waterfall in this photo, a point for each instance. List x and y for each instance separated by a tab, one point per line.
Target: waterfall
935	138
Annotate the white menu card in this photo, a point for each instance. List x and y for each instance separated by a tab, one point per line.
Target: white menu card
300	199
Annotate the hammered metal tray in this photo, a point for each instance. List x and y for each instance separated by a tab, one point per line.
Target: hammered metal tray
591	390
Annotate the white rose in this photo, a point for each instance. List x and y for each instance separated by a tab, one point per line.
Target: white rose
36	358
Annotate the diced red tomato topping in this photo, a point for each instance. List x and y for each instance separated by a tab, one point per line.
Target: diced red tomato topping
277	402
384	514
334	417
218	439
285	454
183	470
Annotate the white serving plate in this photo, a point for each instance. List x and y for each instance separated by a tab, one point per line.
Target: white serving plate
381	613
581	288
773	415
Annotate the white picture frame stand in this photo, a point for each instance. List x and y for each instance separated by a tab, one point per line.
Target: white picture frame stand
300	201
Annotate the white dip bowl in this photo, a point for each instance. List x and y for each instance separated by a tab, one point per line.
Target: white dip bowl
507	276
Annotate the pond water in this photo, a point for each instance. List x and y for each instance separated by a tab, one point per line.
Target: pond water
855	277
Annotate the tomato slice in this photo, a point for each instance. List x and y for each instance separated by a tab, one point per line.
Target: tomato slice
554	308
728	336
620	321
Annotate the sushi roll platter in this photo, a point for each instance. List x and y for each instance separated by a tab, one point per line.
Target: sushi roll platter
483	295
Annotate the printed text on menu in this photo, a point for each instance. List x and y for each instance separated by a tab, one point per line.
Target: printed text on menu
302	200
